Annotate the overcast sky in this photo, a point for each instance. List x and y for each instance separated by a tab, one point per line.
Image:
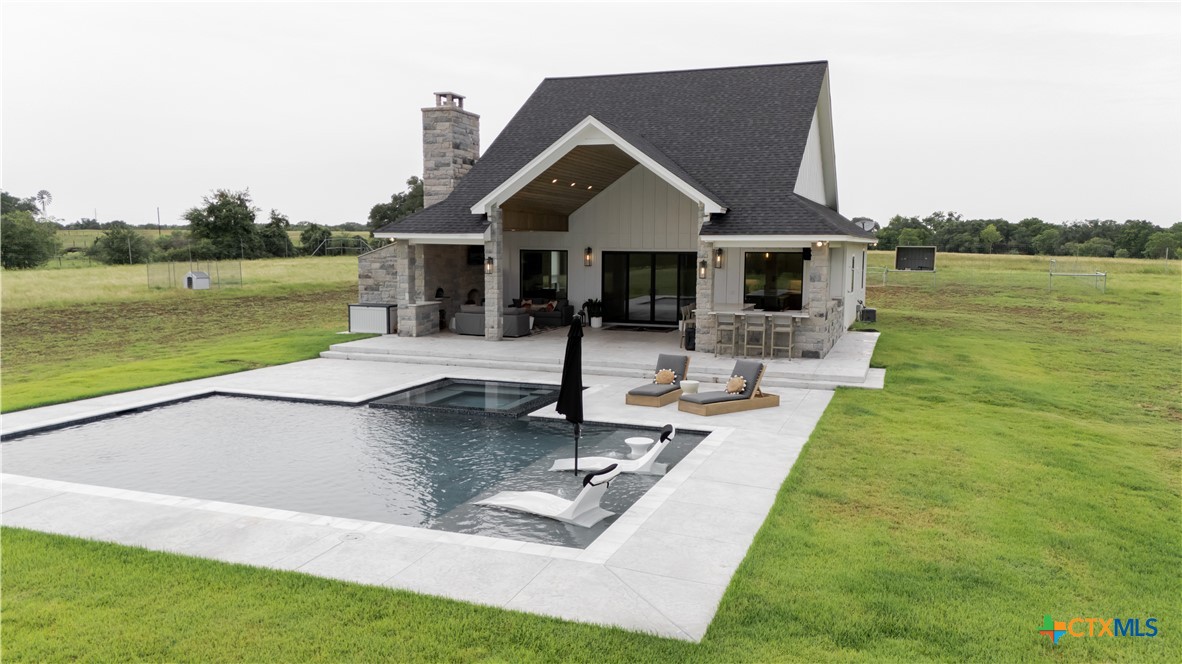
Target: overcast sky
1060	111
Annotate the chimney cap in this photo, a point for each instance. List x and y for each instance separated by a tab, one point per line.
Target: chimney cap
449	99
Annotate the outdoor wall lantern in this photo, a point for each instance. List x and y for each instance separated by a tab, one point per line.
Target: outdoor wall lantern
718	259
587	257
702	269
488	265
820	244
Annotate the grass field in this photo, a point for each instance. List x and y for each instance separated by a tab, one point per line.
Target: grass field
80	333
1024	459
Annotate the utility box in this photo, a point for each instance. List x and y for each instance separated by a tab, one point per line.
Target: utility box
197	281
373	318
915	258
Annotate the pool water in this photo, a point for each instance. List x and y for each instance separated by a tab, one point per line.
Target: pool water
405	467
458	395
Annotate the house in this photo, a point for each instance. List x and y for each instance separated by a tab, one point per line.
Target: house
651	191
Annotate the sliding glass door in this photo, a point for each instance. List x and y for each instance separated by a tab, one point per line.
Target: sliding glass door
647	288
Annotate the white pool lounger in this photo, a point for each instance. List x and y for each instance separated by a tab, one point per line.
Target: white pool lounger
583	511
645	465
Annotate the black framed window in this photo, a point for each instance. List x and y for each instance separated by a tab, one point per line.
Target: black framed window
543	274
772	280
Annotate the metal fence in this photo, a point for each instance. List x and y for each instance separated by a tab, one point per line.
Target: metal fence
171	274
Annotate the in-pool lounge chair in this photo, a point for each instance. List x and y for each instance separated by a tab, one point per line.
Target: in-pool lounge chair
644	465
583	511
659	393
748	398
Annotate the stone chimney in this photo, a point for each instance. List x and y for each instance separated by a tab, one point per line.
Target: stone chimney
451	144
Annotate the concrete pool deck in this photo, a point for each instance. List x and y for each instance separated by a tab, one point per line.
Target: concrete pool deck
661	567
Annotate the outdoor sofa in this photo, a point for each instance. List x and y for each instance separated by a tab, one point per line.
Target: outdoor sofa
470	320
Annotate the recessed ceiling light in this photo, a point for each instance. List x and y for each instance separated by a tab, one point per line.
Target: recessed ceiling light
554	181
572	184
588	186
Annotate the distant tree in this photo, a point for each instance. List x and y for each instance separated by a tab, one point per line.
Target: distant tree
1047	242
226	220
990	236
1158	244
44	198
400	205
1133	235
888	238
9	203
85	224
1097	246
313	236
912	237
1121	253
351	226
121	244
276	241
24	241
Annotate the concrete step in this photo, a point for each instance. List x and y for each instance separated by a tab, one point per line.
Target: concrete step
777	374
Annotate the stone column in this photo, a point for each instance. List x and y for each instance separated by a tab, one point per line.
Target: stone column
493	283
420	273
705	336
404	293
812	333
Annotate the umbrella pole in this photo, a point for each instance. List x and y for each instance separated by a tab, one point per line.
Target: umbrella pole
577	427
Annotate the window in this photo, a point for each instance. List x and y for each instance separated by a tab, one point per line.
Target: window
772	279
853	262
863	270
543	274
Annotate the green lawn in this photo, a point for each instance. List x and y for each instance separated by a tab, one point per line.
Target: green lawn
1024	459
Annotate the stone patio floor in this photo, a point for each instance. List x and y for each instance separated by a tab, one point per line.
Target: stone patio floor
660	568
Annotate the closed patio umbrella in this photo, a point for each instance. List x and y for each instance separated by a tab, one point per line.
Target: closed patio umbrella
570	393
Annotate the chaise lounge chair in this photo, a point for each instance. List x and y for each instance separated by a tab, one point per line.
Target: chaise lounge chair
645	465
658	393
583	511
748	398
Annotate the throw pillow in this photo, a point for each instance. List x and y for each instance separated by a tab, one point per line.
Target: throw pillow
551	304
665	377
526	304
736	385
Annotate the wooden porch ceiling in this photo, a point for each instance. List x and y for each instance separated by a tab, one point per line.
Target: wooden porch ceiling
576	178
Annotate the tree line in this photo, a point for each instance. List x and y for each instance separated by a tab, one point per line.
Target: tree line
948	231
225	226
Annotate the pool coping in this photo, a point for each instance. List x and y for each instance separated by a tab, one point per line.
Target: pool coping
658	568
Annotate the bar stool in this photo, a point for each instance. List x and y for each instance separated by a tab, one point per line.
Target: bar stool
780	325
726	323
758	330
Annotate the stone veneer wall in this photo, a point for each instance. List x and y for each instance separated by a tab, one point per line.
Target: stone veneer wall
816	334
377	276
451	145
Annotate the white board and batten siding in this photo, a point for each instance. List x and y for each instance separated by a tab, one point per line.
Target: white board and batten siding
638	212
816	180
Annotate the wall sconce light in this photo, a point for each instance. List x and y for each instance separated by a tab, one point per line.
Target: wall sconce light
488	265
587	257
718	259
702	269
820	244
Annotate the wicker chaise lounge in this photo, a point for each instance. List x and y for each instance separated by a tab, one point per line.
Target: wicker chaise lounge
657	393
717	403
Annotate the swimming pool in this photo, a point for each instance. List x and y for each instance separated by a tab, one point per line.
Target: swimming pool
406	467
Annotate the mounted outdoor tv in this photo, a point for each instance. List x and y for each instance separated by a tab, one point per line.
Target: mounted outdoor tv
915	258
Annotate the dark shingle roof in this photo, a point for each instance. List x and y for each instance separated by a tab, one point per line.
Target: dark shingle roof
736	134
